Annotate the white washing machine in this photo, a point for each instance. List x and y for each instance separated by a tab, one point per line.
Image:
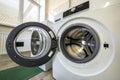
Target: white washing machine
88	42
86	39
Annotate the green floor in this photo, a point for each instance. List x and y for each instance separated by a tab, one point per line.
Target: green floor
19	73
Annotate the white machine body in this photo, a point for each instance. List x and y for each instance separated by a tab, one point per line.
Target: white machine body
103	17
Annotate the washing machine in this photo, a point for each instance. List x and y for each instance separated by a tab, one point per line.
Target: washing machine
84	42
88	37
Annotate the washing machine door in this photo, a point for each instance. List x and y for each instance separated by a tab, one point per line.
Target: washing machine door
31	44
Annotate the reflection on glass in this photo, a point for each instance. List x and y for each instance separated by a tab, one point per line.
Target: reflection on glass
32	42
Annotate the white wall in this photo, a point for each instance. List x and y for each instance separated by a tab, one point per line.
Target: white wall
4	31
9	12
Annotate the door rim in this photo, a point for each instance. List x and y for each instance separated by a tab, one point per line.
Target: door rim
93	33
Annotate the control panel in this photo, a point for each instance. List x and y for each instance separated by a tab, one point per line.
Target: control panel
76	9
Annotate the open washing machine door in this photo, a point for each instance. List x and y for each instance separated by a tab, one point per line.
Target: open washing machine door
31	44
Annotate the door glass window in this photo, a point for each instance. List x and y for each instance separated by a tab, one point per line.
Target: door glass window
31	42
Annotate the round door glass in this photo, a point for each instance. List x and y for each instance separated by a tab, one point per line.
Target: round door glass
32	42
80	43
